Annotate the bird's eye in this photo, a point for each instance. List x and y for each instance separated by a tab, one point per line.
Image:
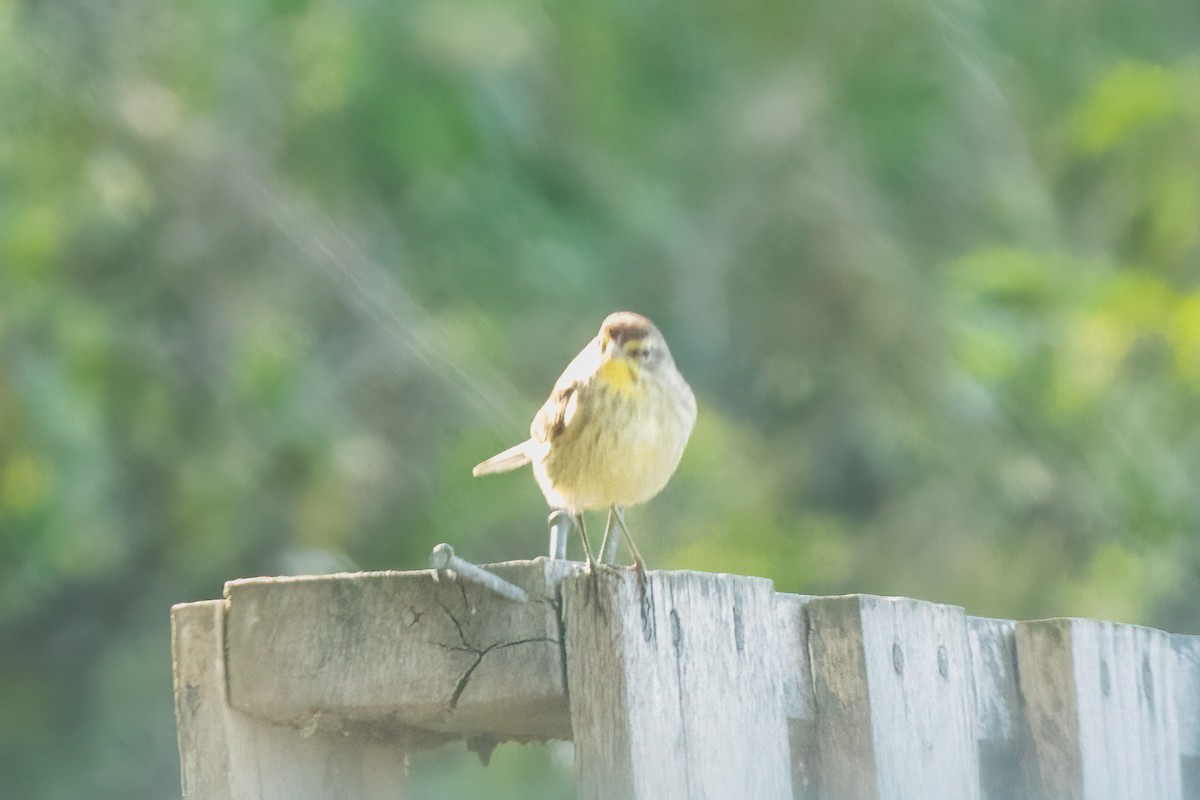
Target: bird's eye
640	353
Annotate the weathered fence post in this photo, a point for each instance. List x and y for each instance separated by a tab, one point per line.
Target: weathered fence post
1000	726
227	754
1101	703
893	687
798	701
298	688
1187	700
689	685
676	687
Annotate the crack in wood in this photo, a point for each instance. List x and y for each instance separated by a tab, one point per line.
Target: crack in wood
461	686
465	678
462	636
416	616
462	590
557	605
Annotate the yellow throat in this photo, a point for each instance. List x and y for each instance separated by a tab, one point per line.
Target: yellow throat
617	373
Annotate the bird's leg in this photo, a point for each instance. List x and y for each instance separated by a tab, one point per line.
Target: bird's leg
638	564
591	562
608	547
593	587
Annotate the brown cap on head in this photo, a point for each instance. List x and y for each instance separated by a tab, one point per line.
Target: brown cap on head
626	326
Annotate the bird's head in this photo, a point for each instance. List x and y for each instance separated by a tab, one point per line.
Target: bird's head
629	343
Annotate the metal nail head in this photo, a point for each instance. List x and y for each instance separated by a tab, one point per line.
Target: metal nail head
443	559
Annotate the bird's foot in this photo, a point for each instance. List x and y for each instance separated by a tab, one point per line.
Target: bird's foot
639	568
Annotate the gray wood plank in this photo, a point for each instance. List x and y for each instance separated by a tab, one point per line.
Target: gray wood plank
1000	726
199	673
1187	700
894	699
677	693
227	755
799	703
1100	699
398	654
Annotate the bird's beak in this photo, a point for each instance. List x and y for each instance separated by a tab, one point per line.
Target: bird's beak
616	352
611	350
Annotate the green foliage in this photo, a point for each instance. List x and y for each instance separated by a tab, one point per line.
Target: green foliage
275	275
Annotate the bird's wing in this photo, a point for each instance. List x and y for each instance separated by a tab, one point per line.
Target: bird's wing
558	411
553	418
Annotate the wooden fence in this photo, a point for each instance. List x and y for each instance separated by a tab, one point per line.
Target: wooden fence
701	686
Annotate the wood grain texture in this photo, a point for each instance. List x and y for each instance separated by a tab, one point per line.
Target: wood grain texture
1187	702
198	667
1100	699
677	693
400	654
1000	725
894	699
227	755
799	703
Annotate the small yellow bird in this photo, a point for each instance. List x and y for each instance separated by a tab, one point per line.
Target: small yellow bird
613	430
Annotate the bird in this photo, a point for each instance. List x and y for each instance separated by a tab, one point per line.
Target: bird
613	430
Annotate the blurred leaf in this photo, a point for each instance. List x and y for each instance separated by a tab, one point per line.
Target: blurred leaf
1132	97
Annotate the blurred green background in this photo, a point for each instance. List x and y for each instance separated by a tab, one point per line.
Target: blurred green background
274	274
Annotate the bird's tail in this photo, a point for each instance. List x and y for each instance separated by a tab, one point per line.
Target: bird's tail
513	457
